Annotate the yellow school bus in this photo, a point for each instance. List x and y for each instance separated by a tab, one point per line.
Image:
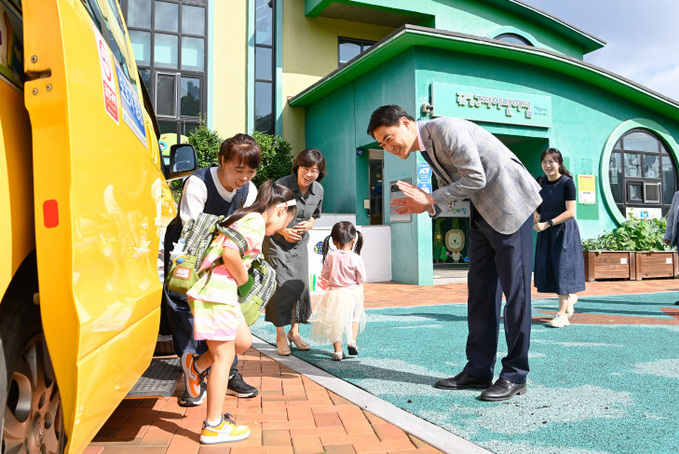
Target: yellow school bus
83	198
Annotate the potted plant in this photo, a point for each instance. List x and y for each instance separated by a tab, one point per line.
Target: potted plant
635	250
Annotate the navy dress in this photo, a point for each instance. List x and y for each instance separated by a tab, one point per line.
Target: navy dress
559	264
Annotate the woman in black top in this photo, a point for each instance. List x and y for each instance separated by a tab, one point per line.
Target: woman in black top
559	264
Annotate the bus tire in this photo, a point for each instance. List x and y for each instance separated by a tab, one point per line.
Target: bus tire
31	415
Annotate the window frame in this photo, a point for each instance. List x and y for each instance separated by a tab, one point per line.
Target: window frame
364	45
182	121
618	151
271	82
523	40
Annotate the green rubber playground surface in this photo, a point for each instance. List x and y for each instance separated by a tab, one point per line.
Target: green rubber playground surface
606	384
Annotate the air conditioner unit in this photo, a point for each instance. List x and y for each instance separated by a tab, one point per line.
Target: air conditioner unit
651	192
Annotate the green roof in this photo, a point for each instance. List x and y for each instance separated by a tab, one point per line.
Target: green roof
410	36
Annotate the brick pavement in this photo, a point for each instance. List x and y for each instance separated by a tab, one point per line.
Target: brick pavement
293	414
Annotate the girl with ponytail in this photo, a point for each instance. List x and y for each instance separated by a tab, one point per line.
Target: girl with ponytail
340	312
214	301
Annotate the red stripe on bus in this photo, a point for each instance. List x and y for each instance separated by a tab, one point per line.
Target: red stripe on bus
50	212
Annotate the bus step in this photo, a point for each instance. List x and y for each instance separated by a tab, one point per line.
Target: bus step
159	379
164	345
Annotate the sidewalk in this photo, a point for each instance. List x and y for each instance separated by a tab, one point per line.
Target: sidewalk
293	413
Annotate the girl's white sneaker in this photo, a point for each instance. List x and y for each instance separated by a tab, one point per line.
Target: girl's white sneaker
559	321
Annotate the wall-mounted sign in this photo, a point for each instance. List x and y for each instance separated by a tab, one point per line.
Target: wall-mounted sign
490	105
643	213
396	193
586	190
460	209
424	171
425	186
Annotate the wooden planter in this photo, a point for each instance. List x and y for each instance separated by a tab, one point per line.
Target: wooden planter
658	264
609	265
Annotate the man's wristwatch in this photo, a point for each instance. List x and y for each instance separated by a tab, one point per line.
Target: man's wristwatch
550	222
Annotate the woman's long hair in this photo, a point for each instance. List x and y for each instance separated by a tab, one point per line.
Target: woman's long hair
268	195
556	154
342	233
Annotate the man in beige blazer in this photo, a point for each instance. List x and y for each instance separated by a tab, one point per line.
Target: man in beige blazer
470	163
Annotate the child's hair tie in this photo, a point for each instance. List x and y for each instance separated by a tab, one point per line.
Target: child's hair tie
289	203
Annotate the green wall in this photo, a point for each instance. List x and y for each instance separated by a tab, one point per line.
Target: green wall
583	119
337	125
583	116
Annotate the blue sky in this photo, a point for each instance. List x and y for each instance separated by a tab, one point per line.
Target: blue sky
641	37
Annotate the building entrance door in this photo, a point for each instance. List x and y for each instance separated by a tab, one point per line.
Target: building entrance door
376	179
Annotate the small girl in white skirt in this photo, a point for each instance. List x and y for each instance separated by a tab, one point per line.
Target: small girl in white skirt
340	312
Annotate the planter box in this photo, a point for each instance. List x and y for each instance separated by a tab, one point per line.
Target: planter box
609	265
658	264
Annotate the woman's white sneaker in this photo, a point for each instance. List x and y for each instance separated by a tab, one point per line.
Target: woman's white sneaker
559	321
572	299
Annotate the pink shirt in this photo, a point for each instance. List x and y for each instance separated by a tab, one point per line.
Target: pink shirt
343	269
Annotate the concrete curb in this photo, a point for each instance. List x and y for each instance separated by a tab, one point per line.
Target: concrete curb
424	430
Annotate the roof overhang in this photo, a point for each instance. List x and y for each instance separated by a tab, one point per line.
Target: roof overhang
384	14
410	36
388	17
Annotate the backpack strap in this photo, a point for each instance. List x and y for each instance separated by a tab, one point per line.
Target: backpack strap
235	236
198	234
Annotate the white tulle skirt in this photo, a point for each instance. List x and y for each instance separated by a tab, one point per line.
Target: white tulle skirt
334	315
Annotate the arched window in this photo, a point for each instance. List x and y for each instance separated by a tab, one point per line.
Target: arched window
641	172
513	38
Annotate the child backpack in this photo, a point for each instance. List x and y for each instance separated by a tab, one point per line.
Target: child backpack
256	293
189	251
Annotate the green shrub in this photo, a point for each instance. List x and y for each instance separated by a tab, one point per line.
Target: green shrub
632	235
207	143
276	157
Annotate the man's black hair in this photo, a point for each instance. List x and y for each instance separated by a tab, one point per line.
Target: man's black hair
388	115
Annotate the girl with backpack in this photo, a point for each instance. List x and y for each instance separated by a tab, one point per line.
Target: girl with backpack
340	313
214	300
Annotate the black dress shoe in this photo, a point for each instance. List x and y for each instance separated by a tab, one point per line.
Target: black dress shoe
462	381
503	389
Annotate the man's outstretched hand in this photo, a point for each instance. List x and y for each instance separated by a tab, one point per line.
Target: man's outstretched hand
415	201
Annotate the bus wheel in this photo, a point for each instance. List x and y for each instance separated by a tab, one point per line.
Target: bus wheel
33	419
31	415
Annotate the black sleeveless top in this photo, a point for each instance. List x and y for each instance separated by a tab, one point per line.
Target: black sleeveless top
214	204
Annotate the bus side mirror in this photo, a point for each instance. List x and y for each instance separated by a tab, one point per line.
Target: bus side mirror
183	161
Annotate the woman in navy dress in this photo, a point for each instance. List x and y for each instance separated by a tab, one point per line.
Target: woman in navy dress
559	264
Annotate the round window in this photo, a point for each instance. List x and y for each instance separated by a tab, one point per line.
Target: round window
641	172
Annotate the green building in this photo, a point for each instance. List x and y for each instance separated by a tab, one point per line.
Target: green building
314	70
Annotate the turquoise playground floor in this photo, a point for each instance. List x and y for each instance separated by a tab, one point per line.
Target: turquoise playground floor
606	384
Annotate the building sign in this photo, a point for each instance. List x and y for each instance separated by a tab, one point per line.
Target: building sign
586	190
490	105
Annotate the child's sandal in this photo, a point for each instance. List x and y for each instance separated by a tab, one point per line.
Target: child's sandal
338	356
353	349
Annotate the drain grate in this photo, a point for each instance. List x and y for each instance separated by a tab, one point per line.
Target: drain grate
159	379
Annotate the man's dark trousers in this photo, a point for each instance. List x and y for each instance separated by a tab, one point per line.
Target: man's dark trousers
496	262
